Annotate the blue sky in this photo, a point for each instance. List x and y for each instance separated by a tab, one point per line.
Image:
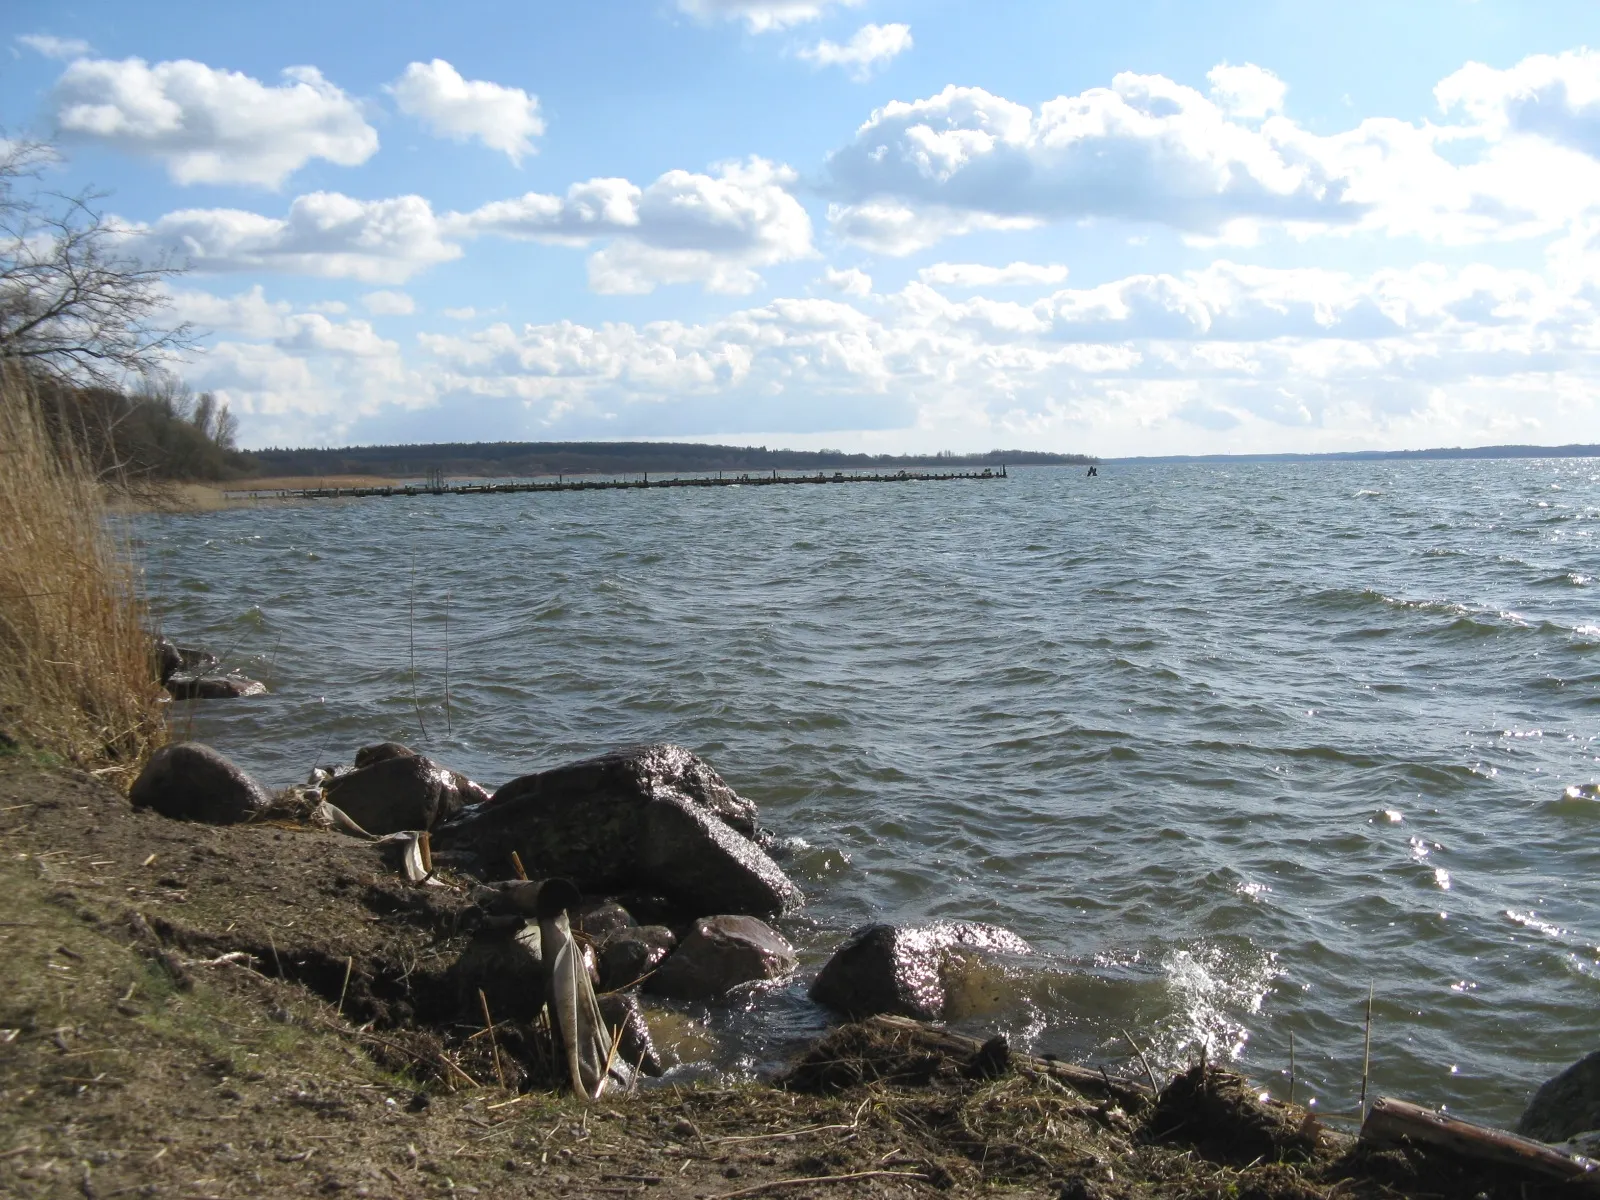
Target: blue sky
882	225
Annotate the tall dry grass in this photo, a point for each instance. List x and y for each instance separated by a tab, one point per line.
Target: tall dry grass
76	676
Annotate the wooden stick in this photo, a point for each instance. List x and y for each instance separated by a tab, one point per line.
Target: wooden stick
1291	1066
516	865
1391	1122
1155	1087
1366	1052
775	1184
611	1057
494	1044
348	963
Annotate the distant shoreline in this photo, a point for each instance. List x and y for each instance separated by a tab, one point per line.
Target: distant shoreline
1575	450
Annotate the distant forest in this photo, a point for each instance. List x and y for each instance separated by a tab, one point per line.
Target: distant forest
517	459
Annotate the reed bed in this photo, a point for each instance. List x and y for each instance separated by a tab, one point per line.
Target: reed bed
76	674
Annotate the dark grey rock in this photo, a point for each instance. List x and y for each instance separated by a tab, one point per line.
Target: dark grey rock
720	954
170	660
601	919
214	687
382	752
635	1047
1567	1105
469	791
652	818
395	794
705	866
630	954
904	969
192	782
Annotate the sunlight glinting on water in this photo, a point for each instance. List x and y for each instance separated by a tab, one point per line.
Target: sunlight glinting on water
1224	743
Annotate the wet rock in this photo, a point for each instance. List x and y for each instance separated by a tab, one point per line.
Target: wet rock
1567	1105
635	1047
602	919
720	954
629	955
905	969
396	794
654	818
510	896
707	867
192	782
469	791
213	687
382	752
170	660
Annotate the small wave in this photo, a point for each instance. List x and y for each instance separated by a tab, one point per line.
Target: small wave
1215	989
1531	920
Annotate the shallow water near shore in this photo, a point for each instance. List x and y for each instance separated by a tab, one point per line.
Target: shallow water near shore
1223	742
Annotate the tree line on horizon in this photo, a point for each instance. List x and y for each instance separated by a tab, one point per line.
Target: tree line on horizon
517	459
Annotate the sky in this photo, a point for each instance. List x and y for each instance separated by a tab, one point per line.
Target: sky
882	225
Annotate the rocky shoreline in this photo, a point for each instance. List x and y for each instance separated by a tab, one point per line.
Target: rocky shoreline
366	958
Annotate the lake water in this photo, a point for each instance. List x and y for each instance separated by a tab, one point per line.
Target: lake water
1225	743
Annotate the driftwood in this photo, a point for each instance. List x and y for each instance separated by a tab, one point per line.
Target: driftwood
1082	1079
1395	1122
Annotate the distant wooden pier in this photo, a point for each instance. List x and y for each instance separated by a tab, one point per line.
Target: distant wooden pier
437	487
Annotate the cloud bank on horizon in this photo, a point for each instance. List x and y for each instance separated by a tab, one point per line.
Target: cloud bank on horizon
828	233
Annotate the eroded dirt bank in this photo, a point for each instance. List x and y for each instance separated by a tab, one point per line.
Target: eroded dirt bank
262	1010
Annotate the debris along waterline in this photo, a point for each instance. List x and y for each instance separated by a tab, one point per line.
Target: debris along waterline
964	1113
603	485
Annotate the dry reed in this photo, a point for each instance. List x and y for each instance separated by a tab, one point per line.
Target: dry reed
77	678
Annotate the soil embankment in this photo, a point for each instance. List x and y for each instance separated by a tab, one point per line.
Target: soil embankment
188	1010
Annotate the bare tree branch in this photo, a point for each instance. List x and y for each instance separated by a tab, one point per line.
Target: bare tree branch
73	304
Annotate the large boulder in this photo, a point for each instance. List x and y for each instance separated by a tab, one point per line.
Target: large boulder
630	954
718	955
192	782
382	752
907	970
396	794
651	818
1567	1105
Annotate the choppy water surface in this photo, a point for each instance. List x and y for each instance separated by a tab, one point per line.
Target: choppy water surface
1224	743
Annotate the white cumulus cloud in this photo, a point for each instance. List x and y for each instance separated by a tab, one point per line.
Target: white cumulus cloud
1556	96
975	275
324	234
1150	150
51	46
762	16
389	304
1246	91
502	118
716	230
852	282
209	125
869	48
